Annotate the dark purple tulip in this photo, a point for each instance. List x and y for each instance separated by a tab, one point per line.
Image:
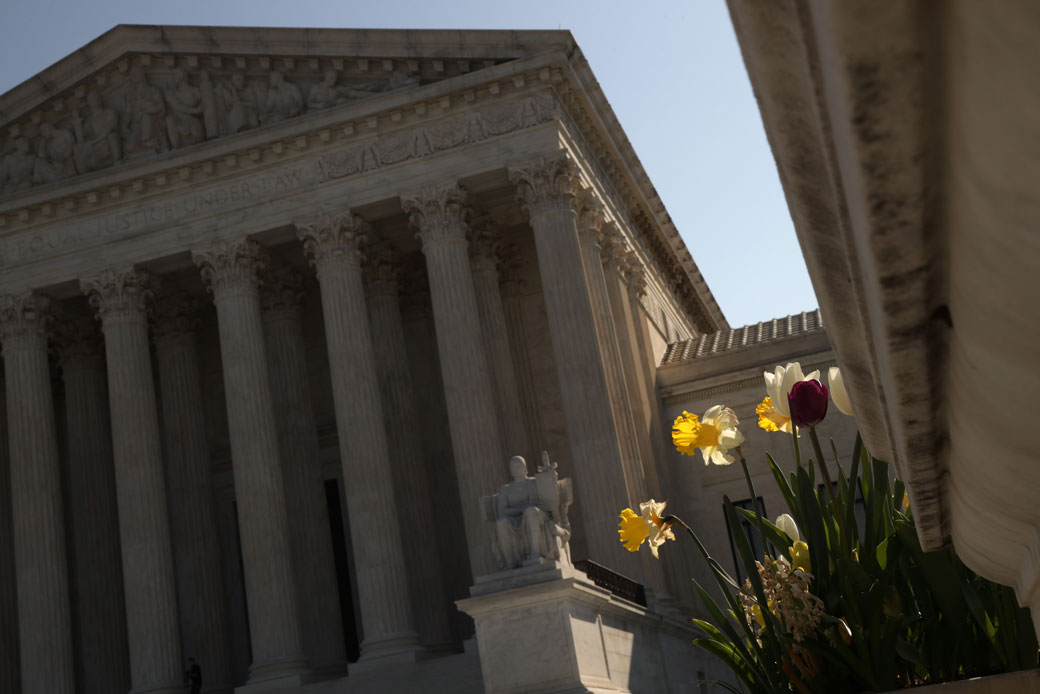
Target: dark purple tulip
808	403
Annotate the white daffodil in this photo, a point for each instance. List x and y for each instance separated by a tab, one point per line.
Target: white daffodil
774	413
786	523
660	531
713	435
839	395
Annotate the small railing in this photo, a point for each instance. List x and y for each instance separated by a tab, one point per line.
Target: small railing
621	586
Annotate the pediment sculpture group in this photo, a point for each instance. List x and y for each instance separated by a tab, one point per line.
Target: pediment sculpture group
142	117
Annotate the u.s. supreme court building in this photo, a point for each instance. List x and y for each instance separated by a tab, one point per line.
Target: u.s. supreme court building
276	308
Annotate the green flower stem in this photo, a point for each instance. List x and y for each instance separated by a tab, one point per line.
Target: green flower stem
754	497
797	450
838	512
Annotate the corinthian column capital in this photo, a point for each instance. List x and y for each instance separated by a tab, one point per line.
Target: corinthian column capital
544	185
119	295
383	272
25	315
334	241
231	266
175	317
613	245
632	271
439	213
591	216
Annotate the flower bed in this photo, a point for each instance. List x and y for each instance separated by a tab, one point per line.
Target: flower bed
834	605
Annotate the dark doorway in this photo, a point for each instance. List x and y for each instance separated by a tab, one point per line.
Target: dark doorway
339	551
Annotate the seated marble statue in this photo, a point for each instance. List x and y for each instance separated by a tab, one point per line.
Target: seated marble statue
530	516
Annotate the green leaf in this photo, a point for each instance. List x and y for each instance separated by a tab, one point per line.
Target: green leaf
726	653
774	535
982	619
882	553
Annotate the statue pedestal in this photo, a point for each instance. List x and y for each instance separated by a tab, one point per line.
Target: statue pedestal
547	629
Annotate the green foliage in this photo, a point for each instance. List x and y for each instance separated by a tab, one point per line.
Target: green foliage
915	617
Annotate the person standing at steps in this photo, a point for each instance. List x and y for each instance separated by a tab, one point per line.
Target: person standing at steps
193	676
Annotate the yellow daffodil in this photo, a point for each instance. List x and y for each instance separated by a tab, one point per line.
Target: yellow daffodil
800	556
714	434
773	412
632	529
647	525
839	395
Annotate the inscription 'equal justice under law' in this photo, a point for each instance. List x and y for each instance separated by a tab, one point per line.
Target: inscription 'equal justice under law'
124	224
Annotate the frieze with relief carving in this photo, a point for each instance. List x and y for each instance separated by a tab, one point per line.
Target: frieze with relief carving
146	107
442	135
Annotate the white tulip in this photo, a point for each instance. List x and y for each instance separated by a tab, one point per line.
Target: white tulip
839	395
786	523
781	381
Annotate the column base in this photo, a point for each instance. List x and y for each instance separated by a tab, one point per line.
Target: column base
389	651
328	671
164	688
291	671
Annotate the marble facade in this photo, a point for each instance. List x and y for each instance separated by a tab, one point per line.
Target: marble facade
308	290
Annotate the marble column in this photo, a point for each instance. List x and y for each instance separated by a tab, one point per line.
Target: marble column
200	590
439	215
149	584
435	434
334	245
317	591
547	190
9	674
96	569
616	258
231	271
516	328
42	579
593	240
411	485
484	260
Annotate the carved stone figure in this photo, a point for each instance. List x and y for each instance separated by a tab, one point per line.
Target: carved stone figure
54	154
530	516
325	93
210	113
16	168
145	110
98	137
399	79
284	100
183	126
240	105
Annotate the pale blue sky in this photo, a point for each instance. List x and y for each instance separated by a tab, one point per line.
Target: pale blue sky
670	68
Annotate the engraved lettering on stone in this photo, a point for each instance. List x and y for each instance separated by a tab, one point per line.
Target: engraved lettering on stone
447	134
159	215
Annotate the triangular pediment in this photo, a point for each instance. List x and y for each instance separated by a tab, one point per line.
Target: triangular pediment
141	91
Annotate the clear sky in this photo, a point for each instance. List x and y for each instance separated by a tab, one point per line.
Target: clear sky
670	68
